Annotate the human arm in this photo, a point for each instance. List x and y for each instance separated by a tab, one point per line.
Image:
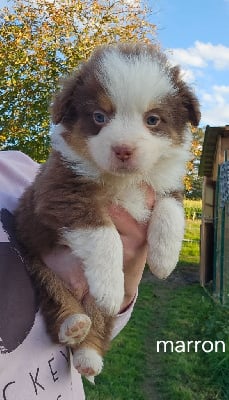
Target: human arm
31	364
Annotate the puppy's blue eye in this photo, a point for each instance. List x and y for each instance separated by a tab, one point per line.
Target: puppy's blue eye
99	118
153	120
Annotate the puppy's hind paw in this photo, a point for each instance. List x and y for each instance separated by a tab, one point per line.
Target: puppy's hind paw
74	329
88	362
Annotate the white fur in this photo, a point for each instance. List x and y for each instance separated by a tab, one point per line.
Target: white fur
129	131
101	252
167	174
87	358
78	164
156	159
70	333
165	234
118	73
128	193
135	85
133	199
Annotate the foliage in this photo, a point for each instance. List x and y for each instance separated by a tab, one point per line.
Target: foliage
192	182
42	41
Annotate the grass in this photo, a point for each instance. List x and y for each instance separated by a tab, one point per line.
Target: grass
189	254
189	314
168	311
192	208
135	371
124	368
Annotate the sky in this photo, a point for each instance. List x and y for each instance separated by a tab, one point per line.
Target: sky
195	35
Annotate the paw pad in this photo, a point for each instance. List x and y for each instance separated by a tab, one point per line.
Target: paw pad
87	362
74	329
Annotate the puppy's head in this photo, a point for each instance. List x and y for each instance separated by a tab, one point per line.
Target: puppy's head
124	109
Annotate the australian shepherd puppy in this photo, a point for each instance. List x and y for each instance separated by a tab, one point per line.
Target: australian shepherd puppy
119	122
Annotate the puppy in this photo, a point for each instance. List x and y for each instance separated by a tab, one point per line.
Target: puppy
120	121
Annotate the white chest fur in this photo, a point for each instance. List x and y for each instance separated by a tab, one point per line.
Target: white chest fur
132	197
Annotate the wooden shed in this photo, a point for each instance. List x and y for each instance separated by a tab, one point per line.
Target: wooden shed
214	247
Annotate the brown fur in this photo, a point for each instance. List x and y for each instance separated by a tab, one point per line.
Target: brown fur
58	198
45	205
58	302
71	104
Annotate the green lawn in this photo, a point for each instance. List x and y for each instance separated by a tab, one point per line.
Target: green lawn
190	253
168	311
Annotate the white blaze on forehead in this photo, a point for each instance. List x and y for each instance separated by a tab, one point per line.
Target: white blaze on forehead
134	81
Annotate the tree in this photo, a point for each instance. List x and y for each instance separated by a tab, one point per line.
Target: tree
42	41
193	182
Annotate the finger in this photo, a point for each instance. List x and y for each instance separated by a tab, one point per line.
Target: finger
125	223
150	196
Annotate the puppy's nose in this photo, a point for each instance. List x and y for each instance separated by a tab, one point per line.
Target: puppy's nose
123	152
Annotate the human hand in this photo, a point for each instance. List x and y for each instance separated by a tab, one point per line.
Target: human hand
134	239
133	235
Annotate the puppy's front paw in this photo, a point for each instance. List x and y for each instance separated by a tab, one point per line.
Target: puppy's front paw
101	252
74	329
111	305
165	234
109	296
87	362
161	261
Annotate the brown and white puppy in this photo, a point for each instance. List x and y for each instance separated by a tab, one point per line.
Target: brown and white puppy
120	121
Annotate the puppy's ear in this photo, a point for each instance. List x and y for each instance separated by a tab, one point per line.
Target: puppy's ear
64	105
188	99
